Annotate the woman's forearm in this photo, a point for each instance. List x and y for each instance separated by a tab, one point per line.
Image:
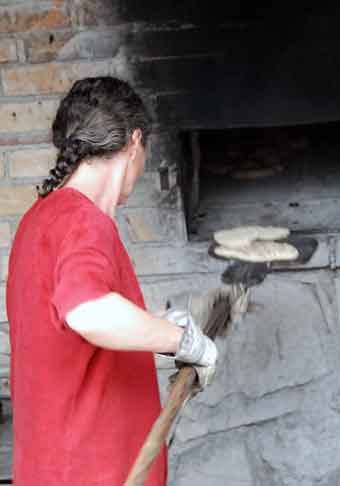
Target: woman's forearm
113	322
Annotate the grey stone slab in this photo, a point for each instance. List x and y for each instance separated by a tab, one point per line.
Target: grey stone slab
217	410
172	258
3	312
94	44
300	449
6	445
157	290
4	363
4	342
5	388
165	151
141	226
85	13
338	252
149	194
221	461
278	343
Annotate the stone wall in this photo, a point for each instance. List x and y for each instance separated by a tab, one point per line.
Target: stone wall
272	416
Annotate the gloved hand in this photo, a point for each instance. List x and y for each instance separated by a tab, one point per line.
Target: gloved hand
192	311
194	348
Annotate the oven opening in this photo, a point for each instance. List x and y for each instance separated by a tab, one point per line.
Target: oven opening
280	176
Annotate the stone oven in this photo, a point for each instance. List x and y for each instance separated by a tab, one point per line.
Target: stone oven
233	88
245	103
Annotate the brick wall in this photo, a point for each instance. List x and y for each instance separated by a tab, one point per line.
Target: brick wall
45	47
41	55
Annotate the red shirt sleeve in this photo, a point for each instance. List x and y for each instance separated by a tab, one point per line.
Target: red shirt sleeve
85	266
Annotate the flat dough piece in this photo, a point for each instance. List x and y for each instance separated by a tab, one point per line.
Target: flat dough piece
243	235
259	251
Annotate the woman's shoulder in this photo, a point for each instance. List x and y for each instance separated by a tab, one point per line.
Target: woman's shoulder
70	206
68	214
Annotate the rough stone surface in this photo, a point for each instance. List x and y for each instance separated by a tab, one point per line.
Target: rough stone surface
271	417
220	461
277	346
301	449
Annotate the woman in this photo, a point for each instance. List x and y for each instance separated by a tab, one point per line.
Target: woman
83	404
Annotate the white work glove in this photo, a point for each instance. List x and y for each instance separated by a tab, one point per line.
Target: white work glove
194	348
191	311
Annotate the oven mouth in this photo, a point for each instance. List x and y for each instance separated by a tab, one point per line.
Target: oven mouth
269	176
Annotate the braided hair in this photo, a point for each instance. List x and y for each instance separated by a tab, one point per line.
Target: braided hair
95	119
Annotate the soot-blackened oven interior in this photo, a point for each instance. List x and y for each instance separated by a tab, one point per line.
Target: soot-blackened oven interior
281	176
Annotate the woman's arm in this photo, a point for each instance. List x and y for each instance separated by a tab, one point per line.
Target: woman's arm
113	322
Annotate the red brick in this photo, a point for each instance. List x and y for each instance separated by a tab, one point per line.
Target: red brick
100	13
3	313
2	166
51	77
31	163
45	46
8	50
23	117
15	200
25	138
3	267
28	18
5	235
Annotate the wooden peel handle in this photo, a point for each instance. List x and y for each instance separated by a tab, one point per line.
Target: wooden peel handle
181	390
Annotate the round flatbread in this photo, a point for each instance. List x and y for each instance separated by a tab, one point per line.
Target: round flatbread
243	235
259	251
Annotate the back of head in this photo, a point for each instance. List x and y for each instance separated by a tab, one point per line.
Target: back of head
95	119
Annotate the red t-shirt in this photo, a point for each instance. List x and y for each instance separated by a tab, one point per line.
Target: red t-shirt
81	413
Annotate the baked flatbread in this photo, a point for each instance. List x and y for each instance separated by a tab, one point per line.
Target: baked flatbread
243	235
259	251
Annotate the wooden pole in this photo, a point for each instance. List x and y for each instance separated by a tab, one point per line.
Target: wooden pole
181	391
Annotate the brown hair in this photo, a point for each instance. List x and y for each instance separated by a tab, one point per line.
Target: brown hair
95	119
